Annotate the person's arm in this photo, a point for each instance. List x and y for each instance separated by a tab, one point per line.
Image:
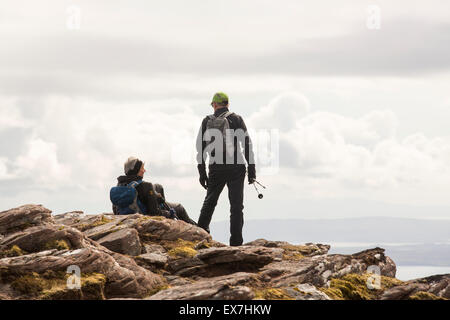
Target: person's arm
200	146
147	196
248	152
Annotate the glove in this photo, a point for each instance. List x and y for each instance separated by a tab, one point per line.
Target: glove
251	172
173	215
203	177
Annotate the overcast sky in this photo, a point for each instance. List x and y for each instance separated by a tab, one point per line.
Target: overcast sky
360	114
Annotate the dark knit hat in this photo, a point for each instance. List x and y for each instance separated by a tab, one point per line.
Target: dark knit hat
132	166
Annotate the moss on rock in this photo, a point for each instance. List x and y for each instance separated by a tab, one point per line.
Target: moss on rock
14	251
293	252
52	285
103	220
271	294
354	287
422	295
57	244
182	252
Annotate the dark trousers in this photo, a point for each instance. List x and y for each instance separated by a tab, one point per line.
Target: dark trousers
179	209
233	176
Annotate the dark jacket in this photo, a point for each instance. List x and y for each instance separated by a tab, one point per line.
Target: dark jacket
146	194
236	122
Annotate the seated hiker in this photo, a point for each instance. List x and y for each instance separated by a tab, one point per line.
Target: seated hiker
133	195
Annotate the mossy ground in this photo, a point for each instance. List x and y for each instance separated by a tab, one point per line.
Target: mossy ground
14	251
57	244
293	252
179	248
271	294
354	287
421	295
52	285
182	252
164	286
103	220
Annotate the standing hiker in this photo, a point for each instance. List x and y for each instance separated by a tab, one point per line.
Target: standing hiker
139	196
221	137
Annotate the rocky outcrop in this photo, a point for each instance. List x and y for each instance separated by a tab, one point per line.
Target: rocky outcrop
37	255
433	287
155	258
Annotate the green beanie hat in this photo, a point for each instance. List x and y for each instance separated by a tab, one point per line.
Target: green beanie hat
220	98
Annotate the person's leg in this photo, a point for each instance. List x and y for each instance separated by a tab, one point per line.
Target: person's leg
235	186
181	212
216	183
160	189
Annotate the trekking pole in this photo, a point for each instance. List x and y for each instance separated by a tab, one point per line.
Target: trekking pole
260	195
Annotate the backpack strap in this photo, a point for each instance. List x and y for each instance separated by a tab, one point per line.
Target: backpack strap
134	184
225	114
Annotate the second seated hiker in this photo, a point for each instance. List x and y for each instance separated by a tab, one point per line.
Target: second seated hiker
149	199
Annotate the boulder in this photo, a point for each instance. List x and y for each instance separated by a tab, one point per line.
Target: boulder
306	291
229	287
433	287
24	217
225	260
125	241
45	237
152	260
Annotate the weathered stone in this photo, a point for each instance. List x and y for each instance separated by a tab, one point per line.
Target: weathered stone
45	237
125	241
125	277
318	270
308	249
154	248
438	285
225	260
230	287
170	230
35	246
24	217
306	292
152	259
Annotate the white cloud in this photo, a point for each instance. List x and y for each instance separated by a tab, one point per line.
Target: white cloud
40	165
339	156
11	117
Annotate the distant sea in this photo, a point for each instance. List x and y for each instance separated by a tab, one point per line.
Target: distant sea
413	272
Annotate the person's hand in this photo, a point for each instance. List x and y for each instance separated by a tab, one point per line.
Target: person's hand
203	177
173	214
159	198
204	181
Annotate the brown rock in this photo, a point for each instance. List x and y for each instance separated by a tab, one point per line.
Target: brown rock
225	260
125	241
45	237
124	277
24	217
230	287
